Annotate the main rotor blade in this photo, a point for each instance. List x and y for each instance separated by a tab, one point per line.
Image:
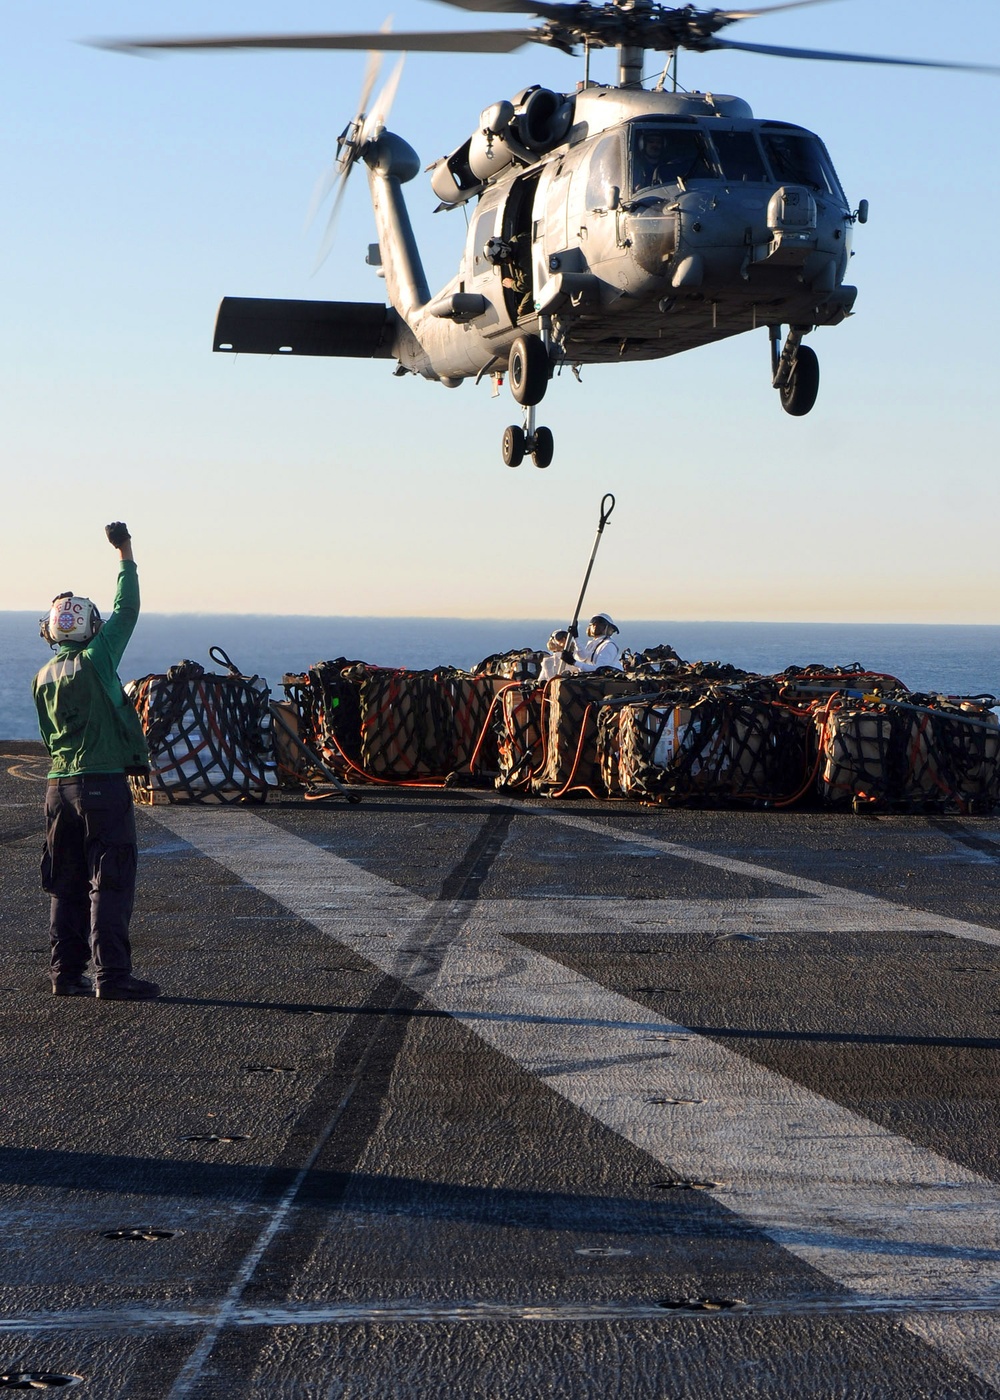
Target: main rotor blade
513	7
486	41
771	9
779	52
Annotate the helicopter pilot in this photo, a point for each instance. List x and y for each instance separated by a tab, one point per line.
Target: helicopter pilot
655	163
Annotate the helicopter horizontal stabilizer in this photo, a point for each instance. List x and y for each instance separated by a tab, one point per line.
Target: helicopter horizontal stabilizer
271	326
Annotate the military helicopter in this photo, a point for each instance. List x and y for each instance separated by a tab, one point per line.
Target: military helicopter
611	224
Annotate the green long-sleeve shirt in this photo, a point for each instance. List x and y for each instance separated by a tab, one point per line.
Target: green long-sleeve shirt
84	716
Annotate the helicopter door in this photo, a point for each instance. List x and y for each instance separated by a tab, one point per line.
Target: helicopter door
518	233
551	204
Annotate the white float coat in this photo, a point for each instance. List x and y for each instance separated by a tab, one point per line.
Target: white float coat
592	652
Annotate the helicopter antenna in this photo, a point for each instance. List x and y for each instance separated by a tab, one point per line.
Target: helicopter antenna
669	71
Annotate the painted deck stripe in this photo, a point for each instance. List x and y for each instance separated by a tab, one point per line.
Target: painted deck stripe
877	1214
130	1318
716	916
844	898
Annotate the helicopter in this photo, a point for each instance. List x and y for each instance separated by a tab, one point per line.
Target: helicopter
611	224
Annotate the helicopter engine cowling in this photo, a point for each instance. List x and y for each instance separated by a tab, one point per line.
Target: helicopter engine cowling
535	122
542	119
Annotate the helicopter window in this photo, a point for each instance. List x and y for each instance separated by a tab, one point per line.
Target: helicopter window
482	231
740	155
799	160
604	174
661	155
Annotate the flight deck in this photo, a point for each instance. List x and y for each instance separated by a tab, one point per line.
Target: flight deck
458	1094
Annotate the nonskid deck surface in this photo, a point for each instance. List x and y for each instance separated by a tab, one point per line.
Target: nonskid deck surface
455	1095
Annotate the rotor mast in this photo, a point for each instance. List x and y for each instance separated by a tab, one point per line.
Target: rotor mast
631	57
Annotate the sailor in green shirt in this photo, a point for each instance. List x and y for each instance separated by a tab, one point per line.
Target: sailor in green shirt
94	738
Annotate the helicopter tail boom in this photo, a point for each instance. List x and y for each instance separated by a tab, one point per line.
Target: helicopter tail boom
391	162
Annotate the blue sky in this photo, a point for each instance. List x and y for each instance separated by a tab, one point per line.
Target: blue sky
140	191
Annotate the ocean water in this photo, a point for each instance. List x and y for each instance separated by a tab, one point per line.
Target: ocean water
946	659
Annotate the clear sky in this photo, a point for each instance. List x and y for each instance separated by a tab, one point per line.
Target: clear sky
139	191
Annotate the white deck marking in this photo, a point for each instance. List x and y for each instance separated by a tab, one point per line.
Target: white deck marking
845	899
715	916
872	1211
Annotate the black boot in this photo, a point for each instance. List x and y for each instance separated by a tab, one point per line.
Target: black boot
72	985
128	989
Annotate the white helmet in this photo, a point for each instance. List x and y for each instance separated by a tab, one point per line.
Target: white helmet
601	625
558	639
70	619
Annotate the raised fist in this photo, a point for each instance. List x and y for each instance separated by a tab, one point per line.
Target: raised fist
117	533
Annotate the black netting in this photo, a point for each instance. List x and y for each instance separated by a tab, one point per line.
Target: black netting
471	699
209	736
522	664
723	745
327	701
653	663
569	729
910	757
519	735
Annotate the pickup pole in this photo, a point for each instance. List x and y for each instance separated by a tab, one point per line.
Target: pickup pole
607	506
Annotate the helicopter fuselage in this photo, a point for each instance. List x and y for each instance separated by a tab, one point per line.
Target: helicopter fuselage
608	226
618	255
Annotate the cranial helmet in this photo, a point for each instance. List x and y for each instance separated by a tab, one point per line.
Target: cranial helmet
70	619
601	625
558	639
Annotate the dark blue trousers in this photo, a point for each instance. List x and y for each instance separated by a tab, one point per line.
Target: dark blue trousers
88	867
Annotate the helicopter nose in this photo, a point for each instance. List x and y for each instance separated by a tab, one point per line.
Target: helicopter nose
653	233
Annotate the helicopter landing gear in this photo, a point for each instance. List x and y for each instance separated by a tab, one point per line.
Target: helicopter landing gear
528	370
527	441
795	371
513	446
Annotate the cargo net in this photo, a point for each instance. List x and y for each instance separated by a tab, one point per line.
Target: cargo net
327	707
209	736
681	748
569	710
910	756
518	730
654	663
427	725
522	664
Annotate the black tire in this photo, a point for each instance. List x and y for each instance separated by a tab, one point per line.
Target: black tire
513	446
544	446
528	370
799	393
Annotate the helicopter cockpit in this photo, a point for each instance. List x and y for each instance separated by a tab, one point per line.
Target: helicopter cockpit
663	154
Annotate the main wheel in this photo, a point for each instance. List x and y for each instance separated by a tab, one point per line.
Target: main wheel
799	392
528	370
541	453
513	446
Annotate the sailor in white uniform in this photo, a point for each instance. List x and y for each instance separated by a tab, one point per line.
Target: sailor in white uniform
599	648
554	664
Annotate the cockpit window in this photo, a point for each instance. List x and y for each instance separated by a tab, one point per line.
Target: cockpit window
604	173
799	159
662	155
740	155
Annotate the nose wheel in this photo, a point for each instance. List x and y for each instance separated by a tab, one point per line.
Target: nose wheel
527	441
795	371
